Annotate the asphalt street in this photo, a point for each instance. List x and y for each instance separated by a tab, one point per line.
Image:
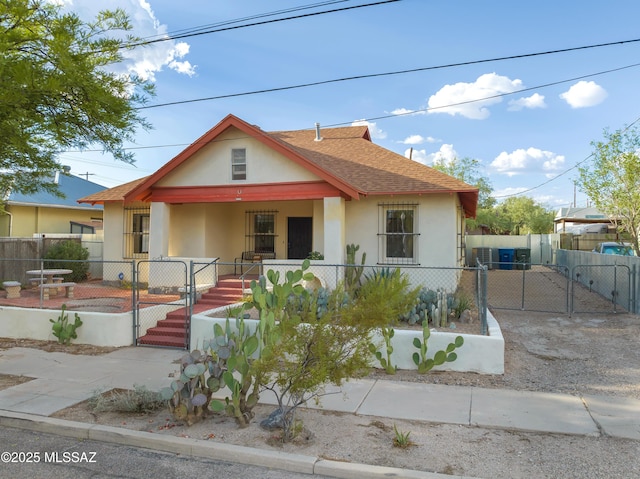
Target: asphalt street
27	455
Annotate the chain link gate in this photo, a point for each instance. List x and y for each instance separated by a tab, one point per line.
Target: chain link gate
601	288
162	318
528	287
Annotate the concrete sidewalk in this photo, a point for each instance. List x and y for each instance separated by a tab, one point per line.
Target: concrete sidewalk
62	380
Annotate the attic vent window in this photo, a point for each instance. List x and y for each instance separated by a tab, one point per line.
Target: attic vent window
239	164
397	233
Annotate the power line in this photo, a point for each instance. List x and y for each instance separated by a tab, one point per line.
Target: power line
413	112
254	24
564	172
398	72
171	35
498	95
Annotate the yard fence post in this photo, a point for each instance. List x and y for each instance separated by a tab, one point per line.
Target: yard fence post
134	309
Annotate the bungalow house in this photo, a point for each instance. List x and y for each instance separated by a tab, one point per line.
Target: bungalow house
282	195
45	213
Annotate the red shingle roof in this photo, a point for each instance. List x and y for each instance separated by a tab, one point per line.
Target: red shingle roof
344	157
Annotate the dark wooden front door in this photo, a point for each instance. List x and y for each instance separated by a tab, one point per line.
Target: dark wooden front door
299	237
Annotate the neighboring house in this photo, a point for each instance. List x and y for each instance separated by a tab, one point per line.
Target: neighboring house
582	221
45	213
285	194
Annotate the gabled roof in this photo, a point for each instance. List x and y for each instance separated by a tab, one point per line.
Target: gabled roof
71	186
345	158
117	193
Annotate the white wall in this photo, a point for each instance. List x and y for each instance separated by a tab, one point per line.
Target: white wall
481	354
437	225
99	329
212	164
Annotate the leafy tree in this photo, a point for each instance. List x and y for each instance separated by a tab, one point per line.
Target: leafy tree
522	215
468	170
612	180
56	90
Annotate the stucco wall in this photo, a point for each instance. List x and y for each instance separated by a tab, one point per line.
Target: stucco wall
437	225
202	230
212	164
113	232
28	220
481	354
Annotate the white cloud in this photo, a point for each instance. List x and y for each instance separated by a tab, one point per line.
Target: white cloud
526	161
534	101
445	154
403	111
460	98
584	94
145	61
418	140
375	132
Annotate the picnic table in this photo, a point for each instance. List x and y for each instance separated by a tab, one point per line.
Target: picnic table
49	274
49	284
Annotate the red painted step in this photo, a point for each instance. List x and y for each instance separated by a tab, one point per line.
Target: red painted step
170	331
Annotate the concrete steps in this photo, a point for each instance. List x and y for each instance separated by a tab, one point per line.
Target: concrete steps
171	331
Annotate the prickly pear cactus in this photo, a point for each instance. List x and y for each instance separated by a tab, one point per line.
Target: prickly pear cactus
426	364
188	396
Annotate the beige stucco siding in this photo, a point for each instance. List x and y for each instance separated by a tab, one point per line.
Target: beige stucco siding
29	220
212	165
437	226
113	231
218	230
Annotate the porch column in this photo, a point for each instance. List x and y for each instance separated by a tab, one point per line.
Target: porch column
334	230
159	223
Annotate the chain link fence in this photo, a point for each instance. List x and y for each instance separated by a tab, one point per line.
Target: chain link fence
528	287
154	290
601	288
559	288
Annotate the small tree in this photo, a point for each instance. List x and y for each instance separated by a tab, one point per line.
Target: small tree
58	90
328	348
612	180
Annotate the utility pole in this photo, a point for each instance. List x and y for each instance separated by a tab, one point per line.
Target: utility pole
86	175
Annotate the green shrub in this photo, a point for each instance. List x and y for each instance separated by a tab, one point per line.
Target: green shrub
69	255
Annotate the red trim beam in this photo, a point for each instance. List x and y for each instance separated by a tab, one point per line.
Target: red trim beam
222	194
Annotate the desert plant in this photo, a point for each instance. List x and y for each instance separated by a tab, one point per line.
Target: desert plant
63	329
188	396
136	400
69	255
315	255
232	351
401	439
464	301
426	364
387	334
353	273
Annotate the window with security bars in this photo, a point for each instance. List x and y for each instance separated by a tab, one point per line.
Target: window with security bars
136	232
260	231
397	233
239	164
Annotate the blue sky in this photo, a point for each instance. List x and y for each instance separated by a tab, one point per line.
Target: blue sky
528	141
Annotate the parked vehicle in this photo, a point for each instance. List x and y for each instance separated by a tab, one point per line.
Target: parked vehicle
613	247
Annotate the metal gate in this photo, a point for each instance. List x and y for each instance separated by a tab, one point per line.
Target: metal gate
161	292
528	287
601	288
